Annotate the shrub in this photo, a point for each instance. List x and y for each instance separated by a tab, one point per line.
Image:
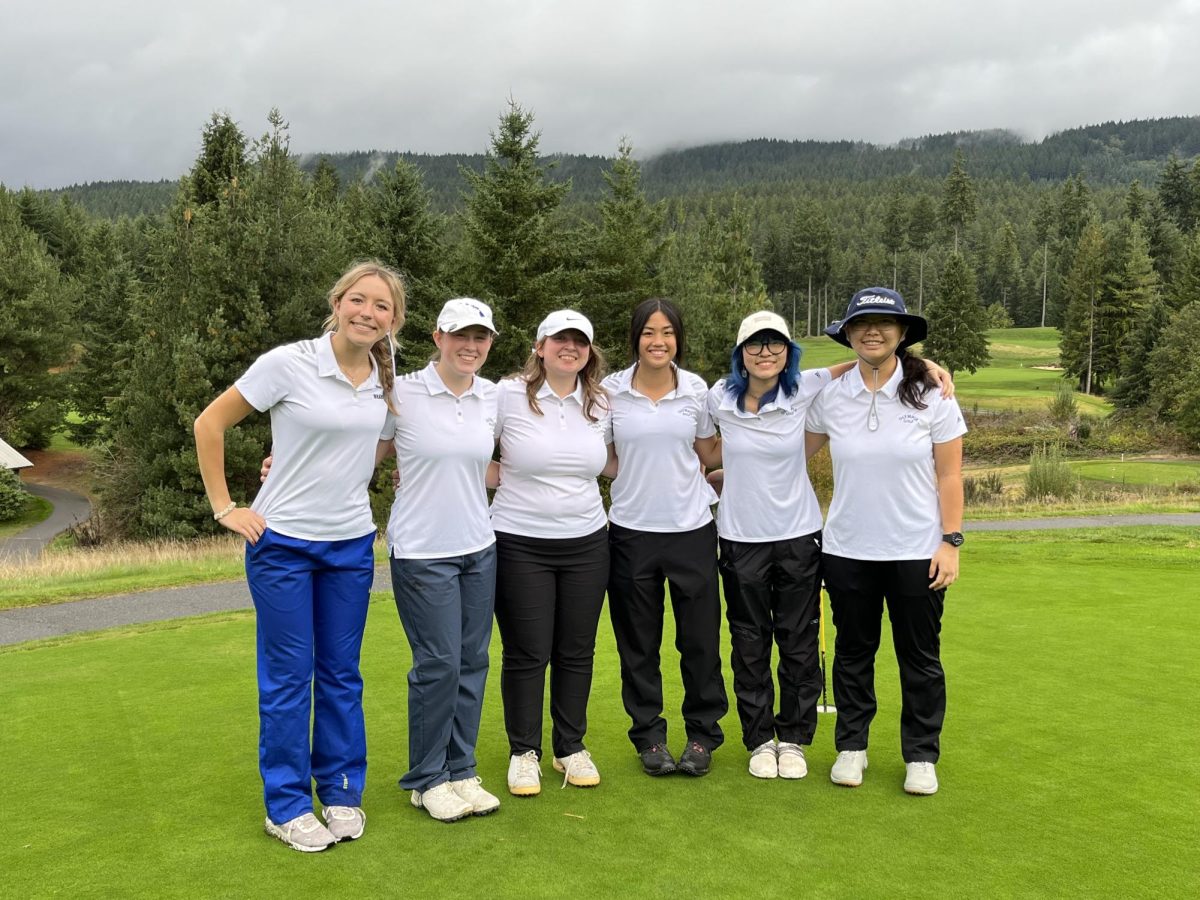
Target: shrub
982	489
1063	407
12	495
998	316
1049	476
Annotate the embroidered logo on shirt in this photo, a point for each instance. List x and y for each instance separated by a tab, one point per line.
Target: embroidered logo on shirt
909	419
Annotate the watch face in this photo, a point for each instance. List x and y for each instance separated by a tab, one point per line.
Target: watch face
954	538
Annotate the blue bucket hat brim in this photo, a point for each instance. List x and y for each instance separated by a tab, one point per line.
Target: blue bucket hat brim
879	301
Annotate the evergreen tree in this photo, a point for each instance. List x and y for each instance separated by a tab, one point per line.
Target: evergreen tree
1176	192
37	310
326	185
1185	287
1085	294
1074	208
1006	271
1175	390
1044	226
1132	390
811	242
222	160
627	256
922	227
1135	288
515	253
893	229
1136	202
957	323
960	202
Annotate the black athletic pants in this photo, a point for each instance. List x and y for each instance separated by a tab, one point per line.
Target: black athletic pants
857	592
549	593
773	590
687	561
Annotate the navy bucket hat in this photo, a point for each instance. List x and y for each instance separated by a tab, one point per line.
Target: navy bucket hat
879	301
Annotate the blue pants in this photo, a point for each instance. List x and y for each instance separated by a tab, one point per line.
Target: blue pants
445	606
310	599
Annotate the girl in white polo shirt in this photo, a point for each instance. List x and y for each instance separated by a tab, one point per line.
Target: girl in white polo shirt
443	558
552	545
661	530
769	523
309	557
893	531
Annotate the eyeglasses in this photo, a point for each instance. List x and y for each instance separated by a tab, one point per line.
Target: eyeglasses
756	347
865	323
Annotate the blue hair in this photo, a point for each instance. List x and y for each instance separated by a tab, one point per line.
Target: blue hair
738	380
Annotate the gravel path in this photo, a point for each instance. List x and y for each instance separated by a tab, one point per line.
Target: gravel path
55	620
69	509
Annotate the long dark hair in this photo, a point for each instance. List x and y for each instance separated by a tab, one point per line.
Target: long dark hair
641	315
915	379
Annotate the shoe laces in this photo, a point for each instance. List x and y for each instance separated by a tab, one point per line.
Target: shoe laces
345	813
528	766
765	747
577	760
305	824
789	747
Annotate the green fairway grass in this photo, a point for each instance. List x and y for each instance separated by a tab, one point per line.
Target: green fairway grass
1066	771
1160	473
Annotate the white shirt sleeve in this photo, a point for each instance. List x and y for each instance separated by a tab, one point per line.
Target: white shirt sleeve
814	420
948	422
268	380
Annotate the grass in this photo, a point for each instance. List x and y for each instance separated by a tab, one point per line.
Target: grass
1072	675
71	573
1165	473
36	510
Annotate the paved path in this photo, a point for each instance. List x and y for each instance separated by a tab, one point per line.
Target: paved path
69	509
55	620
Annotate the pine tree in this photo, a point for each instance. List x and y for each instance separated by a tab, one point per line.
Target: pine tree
811	243
1135	287
1085	288
627	255
37	310
1074	208
1185	287
515	253
1136	202
1177	193
1006	271
960	203
1044	226
922	227
1175	390
893	227
1132	390
957	323
326	185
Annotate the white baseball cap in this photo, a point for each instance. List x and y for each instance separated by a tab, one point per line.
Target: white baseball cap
763	320
564	320
463	312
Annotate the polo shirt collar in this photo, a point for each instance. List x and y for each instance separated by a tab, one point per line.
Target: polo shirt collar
327	364
781	401
624	383
855	384
545	393
433	383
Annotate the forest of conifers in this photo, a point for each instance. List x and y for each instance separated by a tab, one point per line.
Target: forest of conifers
127	305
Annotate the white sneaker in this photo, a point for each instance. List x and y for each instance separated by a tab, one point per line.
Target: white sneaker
303	833
471	790
442	803
848	768
578	769
920	778
764	760
792	763
345	823
524	774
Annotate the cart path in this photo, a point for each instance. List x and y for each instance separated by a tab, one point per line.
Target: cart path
58	619
69	509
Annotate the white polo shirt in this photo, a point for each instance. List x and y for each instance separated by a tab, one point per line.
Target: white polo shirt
885	498
659	486
324	432
549	463
767	495
443	446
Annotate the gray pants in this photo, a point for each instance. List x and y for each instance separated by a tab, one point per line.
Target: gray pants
445	606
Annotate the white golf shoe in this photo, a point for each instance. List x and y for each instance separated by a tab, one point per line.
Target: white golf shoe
471	789
920	778
792	763
848	768
442	803
524	774
764	761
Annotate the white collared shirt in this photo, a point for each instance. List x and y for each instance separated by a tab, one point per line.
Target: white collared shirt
767	495
885	498
443	446
549	463
659	486
323	432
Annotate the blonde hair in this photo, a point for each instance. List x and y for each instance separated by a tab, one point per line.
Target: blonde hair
534	375
382	350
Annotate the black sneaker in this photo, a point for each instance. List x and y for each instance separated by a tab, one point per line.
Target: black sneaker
657	760
695	760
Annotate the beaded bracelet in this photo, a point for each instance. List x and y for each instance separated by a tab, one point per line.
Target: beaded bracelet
226	511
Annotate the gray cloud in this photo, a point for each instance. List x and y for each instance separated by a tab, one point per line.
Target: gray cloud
121	89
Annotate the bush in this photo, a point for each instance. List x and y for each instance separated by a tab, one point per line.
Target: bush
1063	407
1049	476
982	489
12	495
998	316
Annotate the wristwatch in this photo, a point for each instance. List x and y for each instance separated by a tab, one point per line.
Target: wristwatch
954	538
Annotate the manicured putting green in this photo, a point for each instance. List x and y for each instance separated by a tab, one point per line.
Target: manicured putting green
1158	473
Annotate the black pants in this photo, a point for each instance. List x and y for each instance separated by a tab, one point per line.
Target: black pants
640	562
857	591
549	593
773	590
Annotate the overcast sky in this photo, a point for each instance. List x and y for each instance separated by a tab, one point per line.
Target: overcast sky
95	90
